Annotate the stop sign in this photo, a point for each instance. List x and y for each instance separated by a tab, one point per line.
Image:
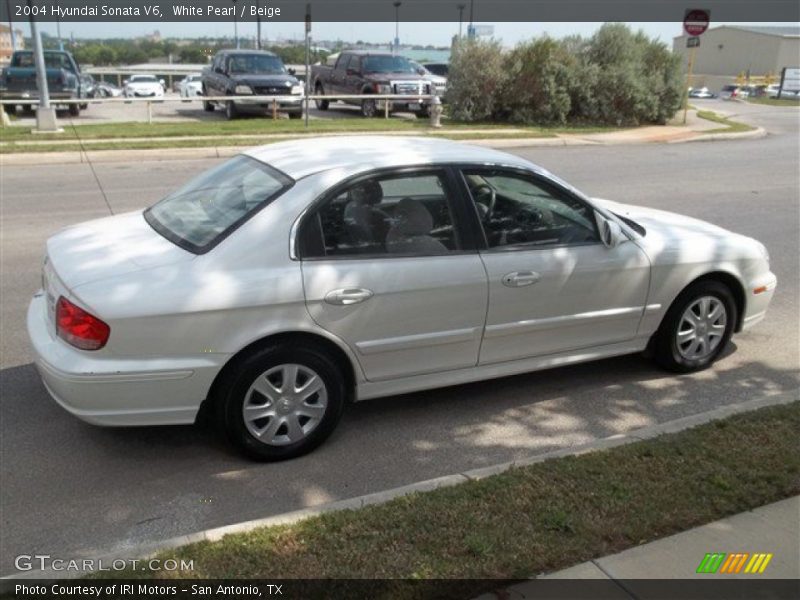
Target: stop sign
696	21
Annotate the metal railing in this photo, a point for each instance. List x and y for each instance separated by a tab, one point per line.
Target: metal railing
384	102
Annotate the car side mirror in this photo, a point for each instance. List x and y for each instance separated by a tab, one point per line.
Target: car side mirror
610	233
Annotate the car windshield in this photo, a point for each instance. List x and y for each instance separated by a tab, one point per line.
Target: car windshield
256	63
143	79
388	64
201	213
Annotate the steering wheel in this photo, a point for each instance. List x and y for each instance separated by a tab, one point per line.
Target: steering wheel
485	200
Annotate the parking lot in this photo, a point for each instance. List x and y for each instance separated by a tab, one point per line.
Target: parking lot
71	489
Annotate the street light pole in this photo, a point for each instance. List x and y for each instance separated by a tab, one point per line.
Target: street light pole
461	8
258	24
58	33
45	114
471	28
396	26
235	25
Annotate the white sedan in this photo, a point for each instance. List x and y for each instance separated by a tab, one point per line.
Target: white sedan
143	86
278	286
191	86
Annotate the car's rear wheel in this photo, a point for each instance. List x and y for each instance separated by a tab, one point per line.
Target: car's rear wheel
696	328
74	110
10	109
321	104
282	401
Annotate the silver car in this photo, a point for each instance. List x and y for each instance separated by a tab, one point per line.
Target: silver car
273	289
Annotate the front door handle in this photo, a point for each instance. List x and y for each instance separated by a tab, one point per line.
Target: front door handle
521	278
348	296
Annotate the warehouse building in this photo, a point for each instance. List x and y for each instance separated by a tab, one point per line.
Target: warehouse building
729	51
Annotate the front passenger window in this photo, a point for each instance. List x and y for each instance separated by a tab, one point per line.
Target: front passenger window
520	210
399	215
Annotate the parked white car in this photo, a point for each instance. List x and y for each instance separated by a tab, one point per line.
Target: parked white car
191	86
143	86
297	276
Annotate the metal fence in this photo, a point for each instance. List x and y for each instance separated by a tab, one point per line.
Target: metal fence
384	101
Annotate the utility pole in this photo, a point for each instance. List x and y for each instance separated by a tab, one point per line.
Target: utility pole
258	24
45	114
396	26
308	67
11	26
471	28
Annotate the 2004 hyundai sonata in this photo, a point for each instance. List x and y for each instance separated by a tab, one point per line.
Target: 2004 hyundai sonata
277	286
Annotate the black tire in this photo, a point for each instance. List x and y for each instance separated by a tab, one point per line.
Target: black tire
11	109
208	106
423	113
27	109
295	115
234	390
74	110
84	106
665	344
369	108
230	110
321	104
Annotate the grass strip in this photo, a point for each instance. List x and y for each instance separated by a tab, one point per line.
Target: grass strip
730	126
776	101
532	519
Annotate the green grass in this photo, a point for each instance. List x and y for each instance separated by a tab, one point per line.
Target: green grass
729	125
775	101
531	519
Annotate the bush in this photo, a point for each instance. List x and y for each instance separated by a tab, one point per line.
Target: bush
538	84
616	77
476	79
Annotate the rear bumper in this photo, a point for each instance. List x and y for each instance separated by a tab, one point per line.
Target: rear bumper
105	390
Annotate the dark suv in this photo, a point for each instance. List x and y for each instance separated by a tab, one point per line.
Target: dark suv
251	72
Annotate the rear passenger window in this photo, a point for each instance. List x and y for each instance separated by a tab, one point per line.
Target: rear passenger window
401	215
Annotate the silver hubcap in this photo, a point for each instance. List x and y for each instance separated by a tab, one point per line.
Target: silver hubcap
701	328
285	404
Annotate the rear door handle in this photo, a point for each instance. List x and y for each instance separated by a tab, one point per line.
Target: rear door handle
521	278
348	296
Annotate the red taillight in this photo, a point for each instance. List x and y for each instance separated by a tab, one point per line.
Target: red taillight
78	328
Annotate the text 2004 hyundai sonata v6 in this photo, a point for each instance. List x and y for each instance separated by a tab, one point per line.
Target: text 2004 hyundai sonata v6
297	276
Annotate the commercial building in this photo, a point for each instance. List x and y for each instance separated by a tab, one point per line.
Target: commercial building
732	51
6	47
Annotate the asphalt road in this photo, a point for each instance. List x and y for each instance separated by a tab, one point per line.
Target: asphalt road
71	489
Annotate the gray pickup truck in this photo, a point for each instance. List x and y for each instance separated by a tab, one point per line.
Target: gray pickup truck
64	81
251	72
365	72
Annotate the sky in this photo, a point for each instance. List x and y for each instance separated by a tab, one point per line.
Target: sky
438	34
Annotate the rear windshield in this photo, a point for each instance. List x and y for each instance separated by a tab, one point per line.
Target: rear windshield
207	209
52	60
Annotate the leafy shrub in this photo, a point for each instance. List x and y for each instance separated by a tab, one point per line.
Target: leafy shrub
476	80
616	77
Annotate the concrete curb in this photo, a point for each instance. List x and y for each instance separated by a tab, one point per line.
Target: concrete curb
217	533
757	133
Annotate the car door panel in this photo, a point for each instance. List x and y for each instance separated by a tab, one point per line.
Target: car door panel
579	297
425	314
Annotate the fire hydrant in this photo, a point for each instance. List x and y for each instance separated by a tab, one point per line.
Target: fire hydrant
435	110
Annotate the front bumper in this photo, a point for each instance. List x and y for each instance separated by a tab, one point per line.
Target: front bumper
284	104
759	295
104	390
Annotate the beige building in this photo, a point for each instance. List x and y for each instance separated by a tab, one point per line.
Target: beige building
6	47
730	50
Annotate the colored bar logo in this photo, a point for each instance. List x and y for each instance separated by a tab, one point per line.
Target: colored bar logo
734	563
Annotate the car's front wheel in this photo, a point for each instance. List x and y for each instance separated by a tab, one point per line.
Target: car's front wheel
696	328
282	401
230	110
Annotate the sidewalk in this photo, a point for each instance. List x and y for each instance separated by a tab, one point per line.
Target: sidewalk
772	529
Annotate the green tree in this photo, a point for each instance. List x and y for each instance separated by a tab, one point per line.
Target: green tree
477	75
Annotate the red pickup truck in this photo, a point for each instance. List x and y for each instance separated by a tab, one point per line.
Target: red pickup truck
365	72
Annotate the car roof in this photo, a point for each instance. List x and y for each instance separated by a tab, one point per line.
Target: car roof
301	158
245	51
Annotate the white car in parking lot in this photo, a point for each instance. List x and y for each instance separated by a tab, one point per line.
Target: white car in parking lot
298	276
191	86
143	86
